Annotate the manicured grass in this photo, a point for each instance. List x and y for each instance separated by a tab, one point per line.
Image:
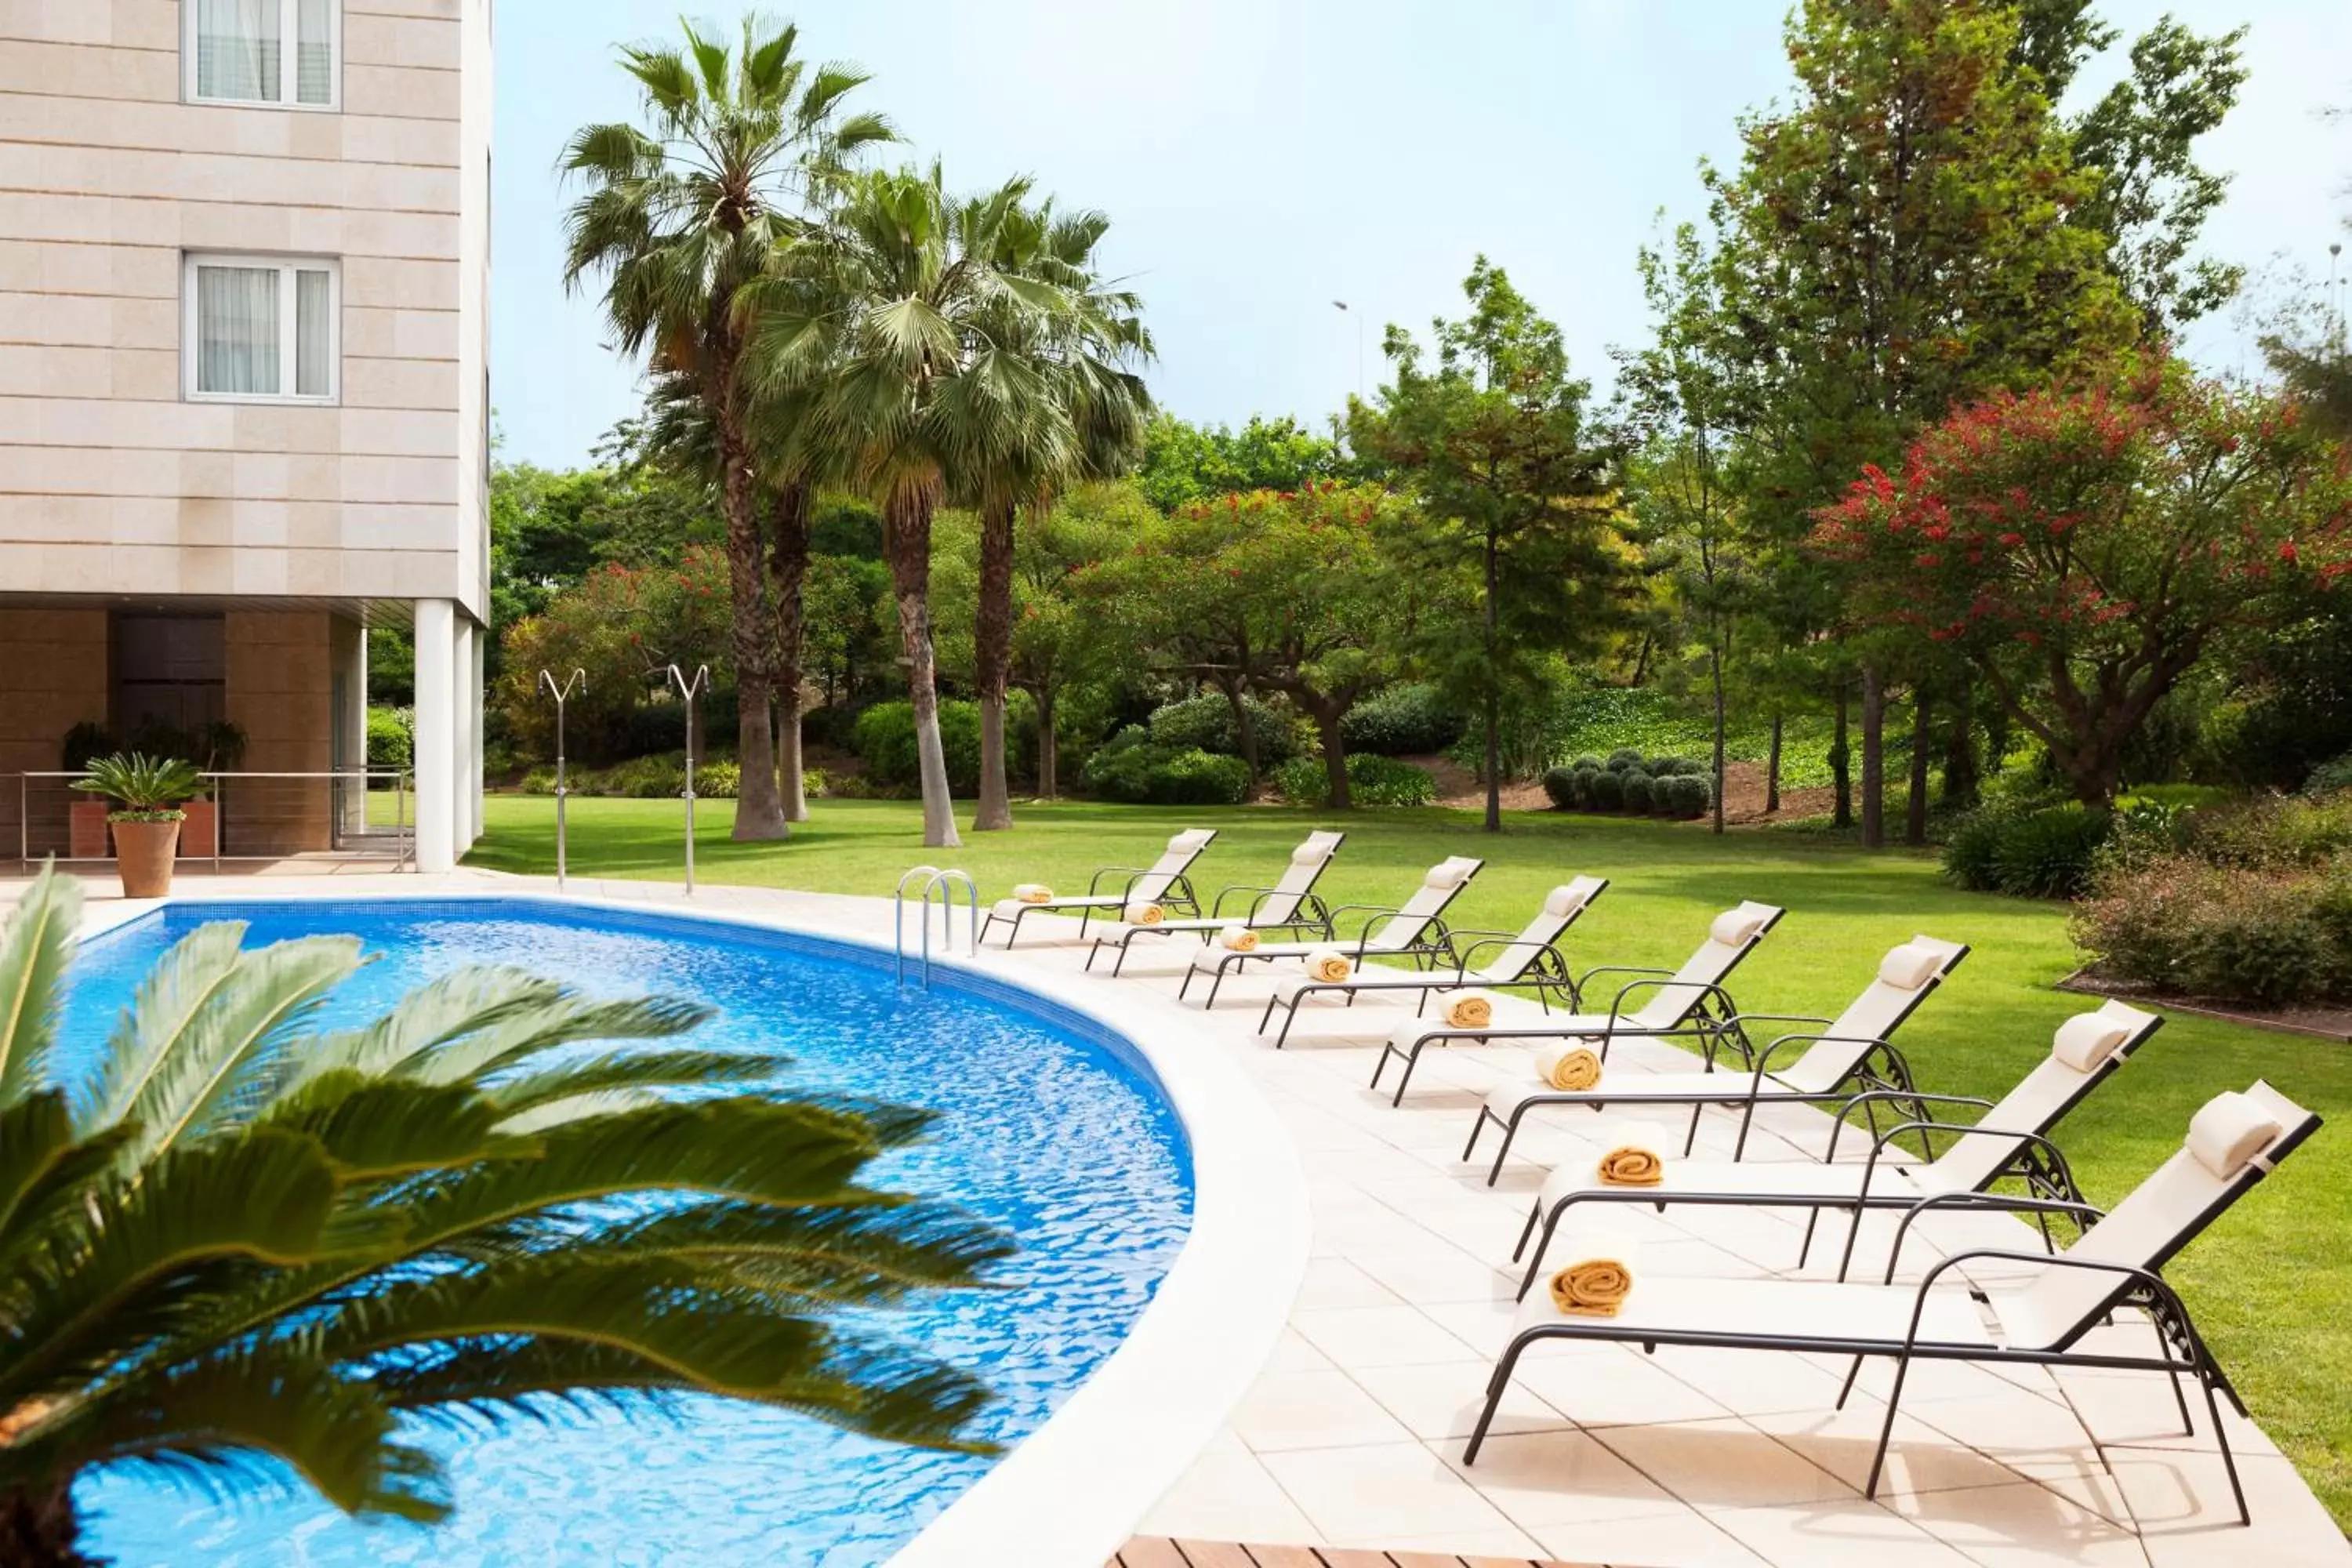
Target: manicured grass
2269	1284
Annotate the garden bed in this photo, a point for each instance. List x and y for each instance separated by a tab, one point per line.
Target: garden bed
2332	1023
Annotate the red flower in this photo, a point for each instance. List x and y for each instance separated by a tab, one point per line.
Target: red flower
2286	551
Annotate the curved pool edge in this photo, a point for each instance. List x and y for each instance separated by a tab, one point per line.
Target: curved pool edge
1073	1490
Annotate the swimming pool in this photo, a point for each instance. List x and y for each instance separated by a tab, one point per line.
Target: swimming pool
1051	1128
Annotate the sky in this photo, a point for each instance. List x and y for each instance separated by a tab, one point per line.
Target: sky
1261	159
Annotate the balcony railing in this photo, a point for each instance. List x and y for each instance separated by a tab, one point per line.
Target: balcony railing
347	814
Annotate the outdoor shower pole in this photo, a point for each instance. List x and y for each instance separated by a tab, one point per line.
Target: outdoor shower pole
689	689
576	681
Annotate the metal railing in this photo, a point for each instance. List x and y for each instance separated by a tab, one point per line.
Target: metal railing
944	883
245	817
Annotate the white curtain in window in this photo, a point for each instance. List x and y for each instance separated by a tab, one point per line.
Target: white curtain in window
238	46
236	328
314	59
314	335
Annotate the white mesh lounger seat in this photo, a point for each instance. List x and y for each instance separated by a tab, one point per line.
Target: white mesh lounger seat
1529	958
2010	1138
1165	881
1289	905
1687	1001
1414	928
1852	1051
2232	1143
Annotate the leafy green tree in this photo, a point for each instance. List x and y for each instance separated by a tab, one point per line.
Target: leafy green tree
1184	464
1904	237
2085	550
881	320
1511	490
235	1238
742	148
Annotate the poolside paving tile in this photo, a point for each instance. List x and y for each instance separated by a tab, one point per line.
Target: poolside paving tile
1390	1491
1723	1463
1558	1478
1324	1409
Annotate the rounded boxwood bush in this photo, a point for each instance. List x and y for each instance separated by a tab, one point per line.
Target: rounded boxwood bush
1206	723
1689	796
1588	762
1413	721
1608	791
1560	786
1638	786
1582	786
1623	759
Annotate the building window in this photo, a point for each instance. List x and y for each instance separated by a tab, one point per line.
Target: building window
262	328
263	52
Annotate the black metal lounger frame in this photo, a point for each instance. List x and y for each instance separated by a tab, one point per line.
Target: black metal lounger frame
1310	913
1424	954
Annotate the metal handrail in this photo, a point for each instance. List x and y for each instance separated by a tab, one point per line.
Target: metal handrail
898	925
945	881
403	833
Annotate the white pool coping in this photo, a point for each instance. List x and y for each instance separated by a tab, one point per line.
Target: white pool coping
1072	1491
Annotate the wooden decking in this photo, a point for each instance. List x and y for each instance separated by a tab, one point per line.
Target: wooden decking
1149	1552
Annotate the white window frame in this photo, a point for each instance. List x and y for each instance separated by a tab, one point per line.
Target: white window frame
288	327
289	56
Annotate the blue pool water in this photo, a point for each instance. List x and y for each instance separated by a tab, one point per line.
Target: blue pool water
1048	1130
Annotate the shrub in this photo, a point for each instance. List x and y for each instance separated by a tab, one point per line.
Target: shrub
2048	854
1586	784
2182	924
1587	764
391	739
538	780
1371	781
1563	787
2331	777
1608	790
1972	847
1690	796
1402	721
1637	784
718	780
884	739
2275	831
1206	723
1670	767
1130	768
1621	759
815	782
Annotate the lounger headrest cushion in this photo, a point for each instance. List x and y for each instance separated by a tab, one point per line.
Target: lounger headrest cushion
1450	874
1189	839
1563	901
2229	1131
1736	928
1314	852
2087	1039
1910	966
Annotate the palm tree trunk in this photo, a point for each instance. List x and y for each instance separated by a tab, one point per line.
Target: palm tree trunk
992	651
788	555
759	811
907	541
40	1528
1873	758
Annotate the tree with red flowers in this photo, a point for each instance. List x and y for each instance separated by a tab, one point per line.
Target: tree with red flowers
2084	549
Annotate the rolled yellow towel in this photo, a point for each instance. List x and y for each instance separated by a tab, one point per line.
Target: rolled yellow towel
1568	1068
1329	965
1469	1009
1145	914
1594	1288
1032	893
1635	1157
1237	939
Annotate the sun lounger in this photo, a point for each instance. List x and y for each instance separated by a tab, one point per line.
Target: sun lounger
1115	888
1414	928
1289	905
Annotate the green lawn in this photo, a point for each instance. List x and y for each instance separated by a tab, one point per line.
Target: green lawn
2269	1284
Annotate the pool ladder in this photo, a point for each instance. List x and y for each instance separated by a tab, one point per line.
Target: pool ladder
944	883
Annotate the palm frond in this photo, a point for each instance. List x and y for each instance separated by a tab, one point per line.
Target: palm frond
33	952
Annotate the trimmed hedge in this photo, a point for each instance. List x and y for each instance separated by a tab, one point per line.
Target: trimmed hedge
1371	781
1131	769
1402	721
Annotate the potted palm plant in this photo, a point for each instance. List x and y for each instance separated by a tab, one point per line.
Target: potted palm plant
148	794
85	818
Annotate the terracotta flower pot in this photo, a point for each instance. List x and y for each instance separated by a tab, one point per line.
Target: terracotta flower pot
142	853
198	831
87	835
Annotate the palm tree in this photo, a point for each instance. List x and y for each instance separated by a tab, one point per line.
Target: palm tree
468	1218
1085	348
888	320
743	150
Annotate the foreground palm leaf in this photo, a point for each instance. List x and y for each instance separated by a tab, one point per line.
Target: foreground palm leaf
239	1249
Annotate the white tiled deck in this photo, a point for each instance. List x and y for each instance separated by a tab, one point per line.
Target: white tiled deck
1353	1434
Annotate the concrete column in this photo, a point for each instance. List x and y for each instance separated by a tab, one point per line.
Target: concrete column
472	787
437	735
347	643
